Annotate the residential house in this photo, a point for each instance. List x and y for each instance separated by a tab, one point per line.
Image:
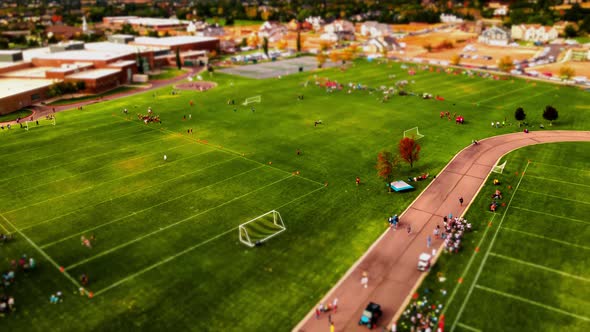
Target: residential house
382	44
316	22
560	26
501	11
534	32
450	18
375	29
494	36
274	31
338	30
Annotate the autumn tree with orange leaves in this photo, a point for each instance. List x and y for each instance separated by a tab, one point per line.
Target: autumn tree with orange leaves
409	150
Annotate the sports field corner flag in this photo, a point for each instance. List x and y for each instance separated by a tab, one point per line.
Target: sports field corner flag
441	324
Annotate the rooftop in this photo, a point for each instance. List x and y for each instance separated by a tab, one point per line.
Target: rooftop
14	86
33	72
146	21
172	41
94	74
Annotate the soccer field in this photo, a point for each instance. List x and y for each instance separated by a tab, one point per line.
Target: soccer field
167	252
525	268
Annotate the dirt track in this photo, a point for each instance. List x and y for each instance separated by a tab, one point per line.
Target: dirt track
391	260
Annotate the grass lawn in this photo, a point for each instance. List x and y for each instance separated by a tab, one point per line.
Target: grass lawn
583	39
167	253
67	101
167	74
18	114
531	271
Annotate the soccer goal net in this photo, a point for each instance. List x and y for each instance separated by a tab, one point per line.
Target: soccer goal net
40	122
499	168
255	99
261	228
413	133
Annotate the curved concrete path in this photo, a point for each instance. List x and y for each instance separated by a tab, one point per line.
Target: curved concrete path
391	260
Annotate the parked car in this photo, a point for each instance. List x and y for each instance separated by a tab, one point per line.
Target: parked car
371	314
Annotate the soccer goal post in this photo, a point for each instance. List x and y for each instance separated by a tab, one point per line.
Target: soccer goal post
255	99
413	133
499	168
261	228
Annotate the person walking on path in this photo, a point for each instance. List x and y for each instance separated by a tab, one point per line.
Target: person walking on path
335	304
332	327
409	229
428	241
365	280
461	201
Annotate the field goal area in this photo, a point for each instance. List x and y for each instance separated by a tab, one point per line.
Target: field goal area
40	123
261	228
499	168
255	99
413	133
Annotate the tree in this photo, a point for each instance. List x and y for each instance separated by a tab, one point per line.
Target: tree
455	60
178	61
282	44
299	41
253	40
566	72
385	164
334	56
265	45
519	114
409	150
550	114
139	63
570	31
505	64
321	58
428	47
244	42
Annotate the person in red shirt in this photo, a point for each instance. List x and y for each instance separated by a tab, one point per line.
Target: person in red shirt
358	180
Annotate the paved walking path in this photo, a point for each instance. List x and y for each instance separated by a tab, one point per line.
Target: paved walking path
40	111
391	260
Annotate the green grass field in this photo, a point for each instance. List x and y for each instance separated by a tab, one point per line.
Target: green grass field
18	114
167	74
533	257
167	253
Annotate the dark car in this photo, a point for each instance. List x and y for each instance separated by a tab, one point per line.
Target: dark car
371	314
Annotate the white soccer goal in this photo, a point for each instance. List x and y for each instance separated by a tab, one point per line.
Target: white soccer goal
413	133
499	168
261	228
39	123
255	99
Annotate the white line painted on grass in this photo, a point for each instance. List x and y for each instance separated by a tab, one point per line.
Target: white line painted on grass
43	253
145	209
467	267
170	258
164	261
573	169
469	328
555	196
126	194
535	303
163	164
171	225
546	238
540	267
560	181
551	215
485	257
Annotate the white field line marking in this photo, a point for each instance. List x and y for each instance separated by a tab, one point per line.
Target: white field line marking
44	254
5	229
226	150
561	181
553	215
163	164
170	258
126	194
535	303
485	257
471	259
469	328
520	100
540	267
75	130
553	165
555	196
171	225
546	238
164	261
65	151
504	94
143	210
37	171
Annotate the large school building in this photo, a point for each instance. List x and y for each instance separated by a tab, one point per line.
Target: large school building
26	76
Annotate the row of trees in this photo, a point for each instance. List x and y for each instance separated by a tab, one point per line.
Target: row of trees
62	88
408	151
549	113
